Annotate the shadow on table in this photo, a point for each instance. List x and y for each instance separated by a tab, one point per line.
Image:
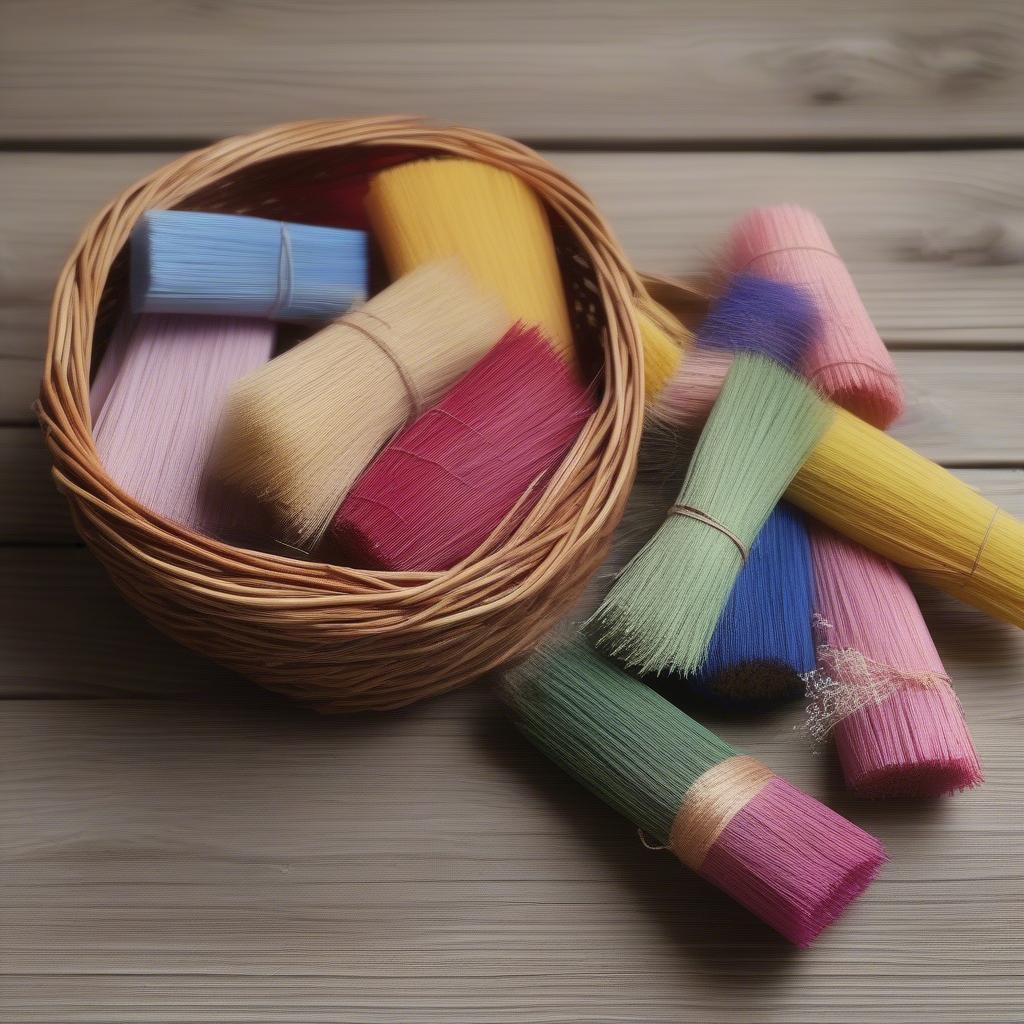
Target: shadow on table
712	930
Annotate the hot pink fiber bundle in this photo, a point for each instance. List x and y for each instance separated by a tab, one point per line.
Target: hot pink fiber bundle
792	861
442	485
849	362
156	414
883	691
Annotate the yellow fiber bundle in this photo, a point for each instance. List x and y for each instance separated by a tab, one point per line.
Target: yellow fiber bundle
882	494
430	209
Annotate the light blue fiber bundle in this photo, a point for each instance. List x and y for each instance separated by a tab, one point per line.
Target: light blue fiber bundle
228	265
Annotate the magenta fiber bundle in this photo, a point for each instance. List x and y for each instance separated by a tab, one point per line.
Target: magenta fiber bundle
437	491
157	406
881	689
849	362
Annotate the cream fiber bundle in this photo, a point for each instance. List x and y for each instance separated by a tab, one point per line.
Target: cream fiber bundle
849	362
882	691
661	613
787	858
299	431
494	222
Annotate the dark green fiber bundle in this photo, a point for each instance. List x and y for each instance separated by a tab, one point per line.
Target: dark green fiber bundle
630	747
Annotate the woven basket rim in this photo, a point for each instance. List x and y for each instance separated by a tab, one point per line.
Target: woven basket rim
163	566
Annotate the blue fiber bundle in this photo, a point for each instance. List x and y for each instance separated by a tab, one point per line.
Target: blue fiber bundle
228	265
763	643
755	314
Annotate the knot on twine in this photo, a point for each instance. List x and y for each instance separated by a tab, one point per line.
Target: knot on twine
689	512
714	799
375	338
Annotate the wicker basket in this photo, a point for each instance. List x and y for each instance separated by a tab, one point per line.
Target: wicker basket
332	637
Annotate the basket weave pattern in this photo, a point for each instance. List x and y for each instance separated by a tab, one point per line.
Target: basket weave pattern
335	638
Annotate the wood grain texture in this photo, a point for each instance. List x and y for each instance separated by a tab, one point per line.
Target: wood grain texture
210	862
176	845
594	69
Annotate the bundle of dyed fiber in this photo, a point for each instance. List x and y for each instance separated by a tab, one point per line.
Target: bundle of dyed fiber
878	492
490	218
781	854
156	423
661	613
755	314
495	223
882	690
300	430
869	487
690	393
110	362
763	646
442	485
188	262
849	363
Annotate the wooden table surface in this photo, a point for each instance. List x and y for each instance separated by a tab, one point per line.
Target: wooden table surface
177	846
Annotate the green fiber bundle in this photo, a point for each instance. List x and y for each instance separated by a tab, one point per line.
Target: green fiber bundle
632	748
661	613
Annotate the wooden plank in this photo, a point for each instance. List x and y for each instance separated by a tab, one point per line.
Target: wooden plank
107	650
231	863
671	211
50	198
699	70
37	514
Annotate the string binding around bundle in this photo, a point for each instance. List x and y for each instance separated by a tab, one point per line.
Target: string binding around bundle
881	689
661	613
230	265
849	362
877	491
299	431
788	859
442	485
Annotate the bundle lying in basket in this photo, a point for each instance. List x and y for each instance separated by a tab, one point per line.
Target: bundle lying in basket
475	461
300	430
335	637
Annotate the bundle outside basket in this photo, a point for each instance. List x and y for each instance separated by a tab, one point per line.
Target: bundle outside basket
335	638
